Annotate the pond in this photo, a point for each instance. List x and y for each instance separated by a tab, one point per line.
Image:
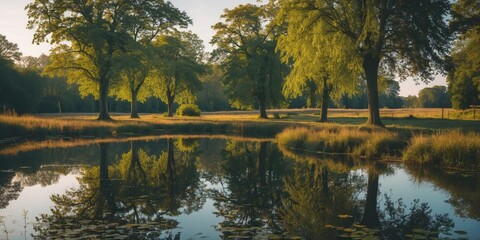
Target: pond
200	188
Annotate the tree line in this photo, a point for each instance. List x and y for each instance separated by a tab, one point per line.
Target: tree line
276	54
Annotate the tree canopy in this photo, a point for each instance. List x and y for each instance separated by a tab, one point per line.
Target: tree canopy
87	34
178	67
253	73
404	37
464	68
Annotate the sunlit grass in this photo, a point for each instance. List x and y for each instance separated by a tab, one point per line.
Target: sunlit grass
450	149
368	142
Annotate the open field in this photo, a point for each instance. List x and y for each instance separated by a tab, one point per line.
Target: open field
235	122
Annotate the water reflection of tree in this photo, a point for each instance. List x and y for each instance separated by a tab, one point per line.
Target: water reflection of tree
253	173
317	197
9	189
139	189
464	188
319	205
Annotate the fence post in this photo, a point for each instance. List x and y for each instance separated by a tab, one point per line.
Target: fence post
442	113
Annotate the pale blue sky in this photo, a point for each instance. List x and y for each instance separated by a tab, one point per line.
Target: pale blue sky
205	13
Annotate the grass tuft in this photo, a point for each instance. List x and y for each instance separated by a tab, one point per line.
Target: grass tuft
452	149
368	142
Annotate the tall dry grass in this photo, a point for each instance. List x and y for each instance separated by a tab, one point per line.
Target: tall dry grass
368	142
15	126
453	149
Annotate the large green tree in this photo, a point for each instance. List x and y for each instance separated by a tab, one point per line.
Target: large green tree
253	73
178	66
464	68
132	70
409	38
88	34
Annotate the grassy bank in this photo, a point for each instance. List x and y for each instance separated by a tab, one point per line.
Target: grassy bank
451	149
365	142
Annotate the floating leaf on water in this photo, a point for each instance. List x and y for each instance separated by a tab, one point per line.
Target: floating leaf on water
345	216
359	225
419	230
461	232
371	238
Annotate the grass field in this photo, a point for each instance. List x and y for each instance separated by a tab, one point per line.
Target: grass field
236	122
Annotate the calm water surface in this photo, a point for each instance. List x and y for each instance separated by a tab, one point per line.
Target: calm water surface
227	189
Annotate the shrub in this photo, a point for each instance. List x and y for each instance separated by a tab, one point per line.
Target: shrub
188	110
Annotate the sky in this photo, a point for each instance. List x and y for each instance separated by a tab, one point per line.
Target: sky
204	13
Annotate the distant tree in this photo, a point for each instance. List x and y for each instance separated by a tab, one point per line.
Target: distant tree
88	34
464	68
389	97
212	97
253	73
409	101
434	97
178	66
404	37
9	51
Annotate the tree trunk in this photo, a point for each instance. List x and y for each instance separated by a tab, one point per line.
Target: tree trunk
262	156
133	105
103	103
170	106
370	216
262	107
59	105
105	194
171	168
370	66
325	101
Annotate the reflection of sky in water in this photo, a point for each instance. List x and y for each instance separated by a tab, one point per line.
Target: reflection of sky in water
36	200
401	185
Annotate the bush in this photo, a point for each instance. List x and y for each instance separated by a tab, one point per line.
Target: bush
188	110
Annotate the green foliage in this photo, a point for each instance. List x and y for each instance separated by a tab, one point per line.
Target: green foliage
464	64
402	37
212	97
434	97
176	75
89	34
253	73
188	110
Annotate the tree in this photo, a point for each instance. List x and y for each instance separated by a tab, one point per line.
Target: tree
132	71
434	97
178	68
253	73
404	37
312	67
9	51
96	31
464	65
